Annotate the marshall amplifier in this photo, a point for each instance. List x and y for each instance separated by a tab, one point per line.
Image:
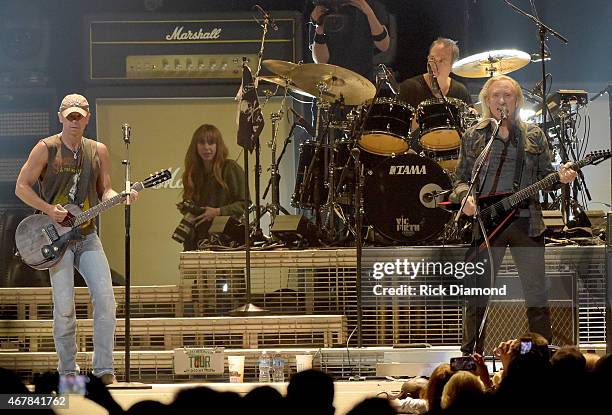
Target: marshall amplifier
173	49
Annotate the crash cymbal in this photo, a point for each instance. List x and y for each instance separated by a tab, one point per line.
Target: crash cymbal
494	62
285	83
278	67
337	82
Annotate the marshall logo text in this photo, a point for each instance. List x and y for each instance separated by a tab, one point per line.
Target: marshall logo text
180	34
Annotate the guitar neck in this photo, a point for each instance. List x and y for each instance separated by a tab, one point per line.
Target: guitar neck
533	189
97	209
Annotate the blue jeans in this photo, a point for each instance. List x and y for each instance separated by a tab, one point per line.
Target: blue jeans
88	257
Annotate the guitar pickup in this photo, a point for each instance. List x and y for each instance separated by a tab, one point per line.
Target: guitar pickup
51	233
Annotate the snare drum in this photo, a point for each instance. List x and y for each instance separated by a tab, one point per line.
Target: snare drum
387	128
441	123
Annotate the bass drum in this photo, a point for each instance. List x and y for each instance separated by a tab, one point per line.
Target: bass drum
401	196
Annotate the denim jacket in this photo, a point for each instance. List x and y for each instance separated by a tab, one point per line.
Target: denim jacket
537	164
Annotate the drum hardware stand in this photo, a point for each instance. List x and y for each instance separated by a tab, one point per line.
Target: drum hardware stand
572	212
275	207
323	107
355	152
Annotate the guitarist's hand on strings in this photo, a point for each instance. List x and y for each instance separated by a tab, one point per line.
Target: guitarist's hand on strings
208	215
469	208
566	174
57	213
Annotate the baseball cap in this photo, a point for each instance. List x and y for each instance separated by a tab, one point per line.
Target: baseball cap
74	103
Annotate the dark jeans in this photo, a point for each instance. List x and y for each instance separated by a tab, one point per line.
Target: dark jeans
528	256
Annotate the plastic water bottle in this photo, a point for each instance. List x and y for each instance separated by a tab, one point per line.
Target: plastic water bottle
264	367
278	369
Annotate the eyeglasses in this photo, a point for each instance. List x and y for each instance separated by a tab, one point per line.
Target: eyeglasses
433	59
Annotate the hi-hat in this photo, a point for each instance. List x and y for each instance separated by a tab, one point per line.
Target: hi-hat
285	83
334	81
494	62
278	67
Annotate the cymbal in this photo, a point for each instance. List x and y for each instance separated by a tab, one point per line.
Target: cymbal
279	67
285	83
337	82
494	62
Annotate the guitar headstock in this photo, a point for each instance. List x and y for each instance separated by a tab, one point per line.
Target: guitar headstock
599	156
153	180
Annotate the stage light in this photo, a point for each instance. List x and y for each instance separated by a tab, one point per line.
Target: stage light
527	114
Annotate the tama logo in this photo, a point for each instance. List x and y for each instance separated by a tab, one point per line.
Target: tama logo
180	34
403	225
394	170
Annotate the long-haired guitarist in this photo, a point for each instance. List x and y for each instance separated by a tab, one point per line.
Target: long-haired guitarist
520	156
213	185
72	169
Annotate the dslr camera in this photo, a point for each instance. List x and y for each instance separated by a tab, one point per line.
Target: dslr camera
332	5
333	19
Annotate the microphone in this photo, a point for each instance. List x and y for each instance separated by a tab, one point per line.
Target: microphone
301	122
503	112
390	79
127	132
355	152
537	89
267	17
435	86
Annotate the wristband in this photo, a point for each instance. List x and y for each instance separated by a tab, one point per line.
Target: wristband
381	36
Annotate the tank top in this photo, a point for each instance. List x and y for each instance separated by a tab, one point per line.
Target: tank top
70	178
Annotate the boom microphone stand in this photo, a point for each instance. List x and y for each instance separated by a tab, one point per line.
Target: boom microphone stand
543	30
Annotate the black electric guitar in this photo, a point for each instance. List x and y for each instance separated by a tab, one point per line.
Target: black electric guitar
496	211
42	243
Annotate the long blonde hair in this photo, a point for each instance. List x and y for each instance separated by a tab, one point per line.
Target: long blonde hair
195	173
484	95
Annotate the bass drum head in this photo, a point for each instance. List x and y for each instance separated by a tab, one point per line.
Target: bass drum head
400	198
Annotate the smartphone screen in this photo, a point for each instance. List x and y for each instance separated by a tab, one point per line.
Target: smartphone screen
73	384
463	363
525	346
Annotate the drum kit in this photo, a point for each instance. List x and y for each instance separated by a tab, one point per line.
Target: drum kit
402	174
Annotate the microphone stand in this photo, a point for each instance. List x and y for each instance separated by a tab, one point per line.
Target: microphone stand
249	309
359	213
127	132
474	193
542	31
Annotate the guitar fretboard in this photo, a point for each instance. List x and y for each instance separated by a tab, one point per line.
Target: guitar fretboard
533	189
96	210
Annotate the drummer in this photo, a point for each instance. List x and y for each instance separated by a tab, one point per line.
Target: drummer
443	53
